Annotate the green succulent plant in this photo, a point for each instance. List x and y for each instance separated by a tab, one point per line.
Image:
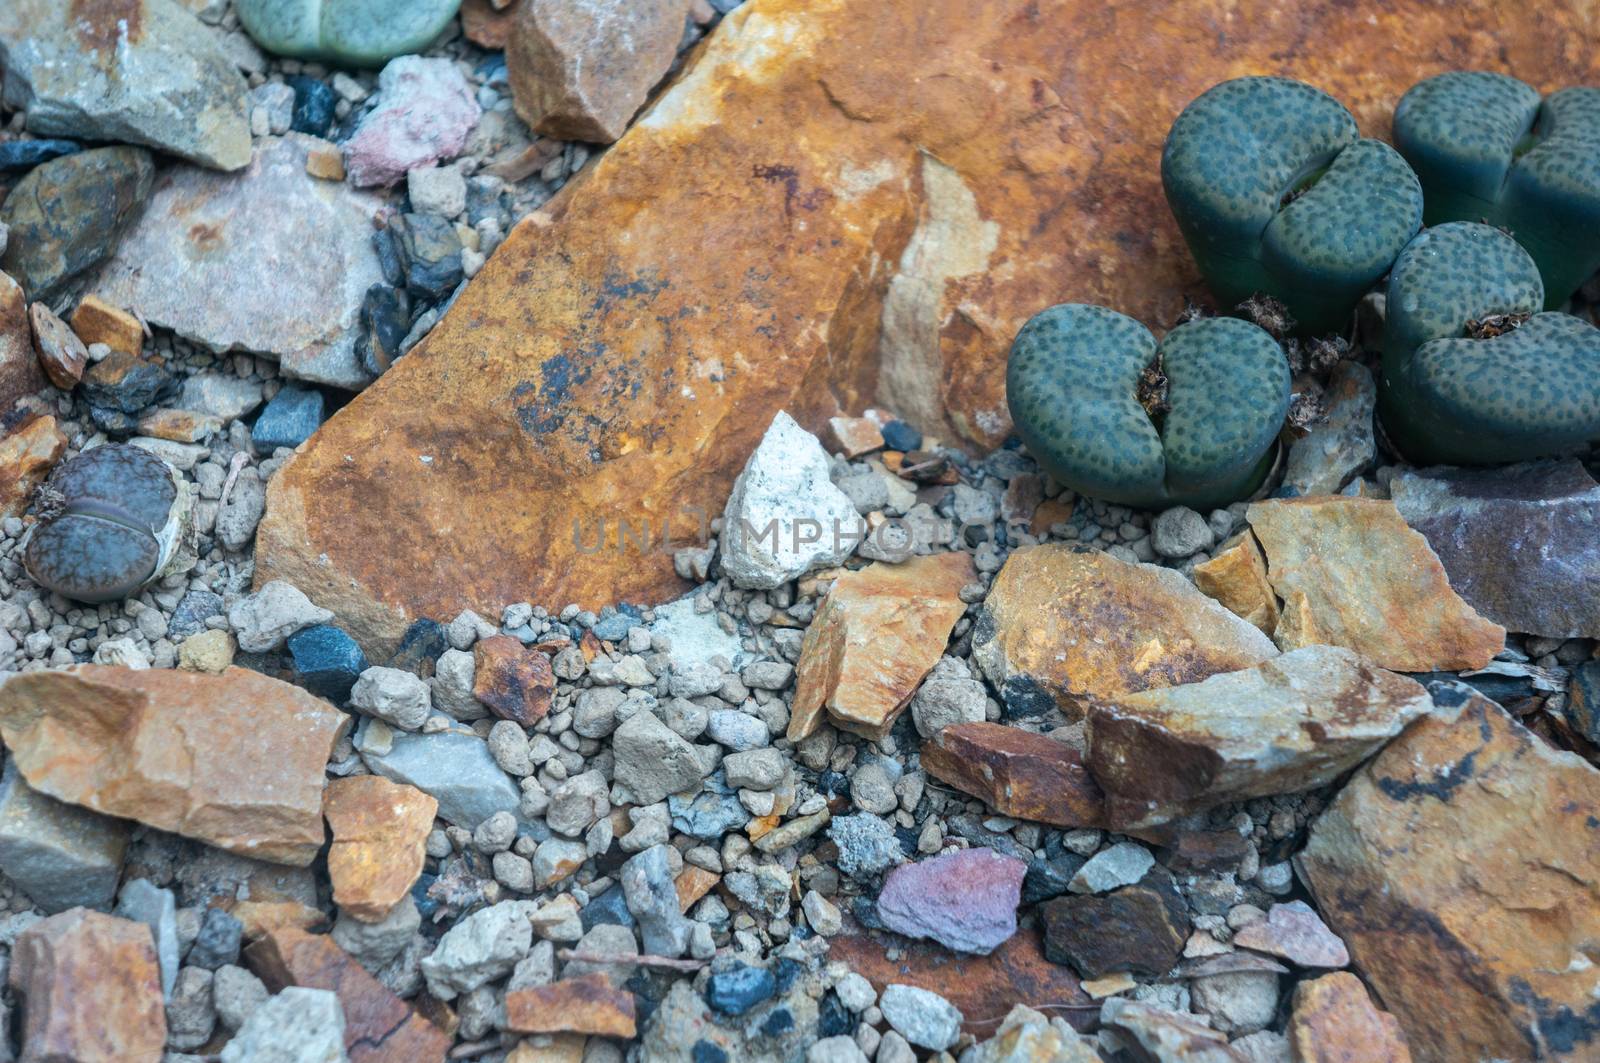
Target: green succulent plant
1468	381
1073	384
1276	192
1487	148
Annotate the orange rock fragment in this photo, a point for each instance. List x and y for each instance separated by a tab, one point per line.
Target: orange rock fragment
1016	772
588	1004
1335	1021
97	321
380	832
1236	576
26	457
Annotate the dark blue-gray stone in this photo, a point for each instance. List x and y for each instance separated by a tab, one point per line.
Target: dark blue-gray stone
289	419
327	661
314	104
26	154
739	988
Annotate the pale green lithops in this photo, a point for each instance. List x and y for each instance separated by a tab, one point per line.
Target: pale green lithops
114	519
1488	148
1277	193
1073	384
1473	373
357	32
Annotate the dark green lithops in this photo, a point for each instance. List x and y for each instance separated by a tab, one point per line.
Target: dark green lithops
1277	193
1488	148
113	520
1073	386
1473	373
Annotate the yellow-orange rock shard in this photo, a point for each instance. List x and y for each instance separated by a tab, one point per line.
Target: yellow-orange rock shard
1351	573
1461	867
1236	576
97	321
26	457
380	831
875	636
839	202
235	760
1335	1021
1073	628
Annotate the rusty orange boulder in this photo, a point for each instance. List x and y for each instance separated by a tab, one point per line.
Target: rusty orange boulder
235	760
891	188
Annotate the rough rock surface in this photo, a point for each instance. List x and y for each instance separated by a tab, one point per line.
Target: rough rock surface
965	900
235	759
1296	722
1461	869
1342	444
425	113
379	830
1350	573
581	71
90	989
585	1004
879	631
379	1027
1521	544
1069	628
65	217
127	71
212	260
60	855
1018	773
1168	1036
918	221
1335	1021
27	455
1139	928
1294	932
1236	576
456	770
20	373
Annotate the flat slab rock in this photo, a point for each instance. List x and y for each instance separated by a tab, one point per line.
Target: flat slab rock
864	225
1017	773
1521	544
1069	629
1461	868
1295	722
235	760
965	900
1352	574
212	260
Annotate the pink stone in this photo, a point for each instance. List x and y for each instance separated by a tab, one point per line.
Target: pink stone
1295	932
426	110
966	900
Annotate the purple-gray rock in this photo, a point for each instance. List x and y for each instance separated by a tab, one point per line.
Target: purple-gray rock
213	260
965	900
1521	543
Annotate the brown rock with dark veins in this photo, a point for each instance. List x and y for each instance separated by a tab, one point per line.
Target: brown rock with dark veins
1351	574
1140	928
1461	867
586	1004
1335	1021
581	71
235	760
514	681
379	1027
877	634
1069	629
891	187
1017	773
1521	544
91	990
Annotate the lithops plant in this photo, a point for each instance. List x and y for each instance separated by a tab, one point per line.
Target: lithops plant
362	32
1473	373
114	519
1073	383
1487	148
1276	192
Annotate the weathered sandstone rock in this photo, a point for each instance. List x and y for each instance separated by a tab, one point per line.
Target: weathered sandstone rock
1521	544
1294	722
1071	629
1018	773
235	760
380	829
586	1004
1335	1021
91	990
1236	576
379	1027
1350	573
1462	869
26	457
879	631
879	237
20	373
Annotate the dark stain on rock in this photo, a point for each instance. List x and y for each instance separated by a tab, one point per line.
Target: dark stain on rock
1560	1029
205	236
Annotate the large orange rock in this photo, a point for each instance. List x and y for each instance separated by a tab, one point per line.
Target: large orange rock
235	760
838	202
1461	867
380	830
877	634
1352	574
1073	629
91	990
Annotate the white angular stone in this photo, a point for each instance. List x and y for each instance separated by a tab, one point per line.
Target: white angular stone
298	1025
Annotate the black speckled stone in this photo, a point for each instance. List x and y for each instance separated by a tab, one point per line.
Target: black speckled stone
314	104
